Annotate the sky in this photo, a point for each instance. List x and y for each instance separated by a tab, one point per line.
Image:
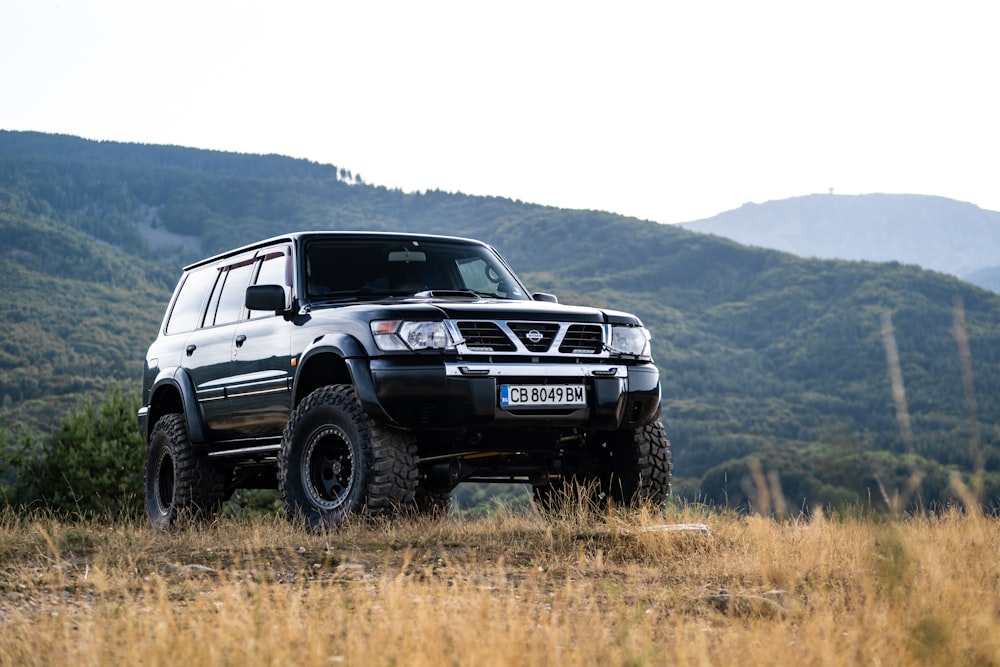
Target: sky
669	111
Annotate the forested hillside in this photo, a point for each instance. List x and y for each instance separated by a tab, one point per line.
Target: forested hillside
774	367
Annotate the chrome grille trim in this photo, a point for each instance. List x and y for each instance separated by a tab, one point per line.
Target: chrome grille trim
536	336
582	337
501	370
484	336
514	337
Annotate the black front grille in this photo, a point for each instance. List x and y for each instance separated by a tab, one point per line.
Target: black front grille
536	336
485	337
582	339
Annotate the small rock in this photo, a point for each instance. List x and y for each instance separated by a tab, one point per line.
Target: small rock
351	567
747	606
698	528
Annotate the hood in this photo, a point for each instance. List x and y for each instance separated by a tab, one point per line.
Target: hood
486	309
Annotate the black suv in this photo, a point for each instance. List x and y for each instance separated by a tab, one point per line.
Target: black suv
372	373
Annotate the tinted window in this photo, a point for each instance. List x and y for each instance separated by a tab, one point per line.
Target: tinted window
187	311
273	271
401	267
233	296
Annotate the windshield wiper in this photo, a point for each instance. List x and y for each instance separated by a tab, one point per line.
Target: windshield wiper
349	295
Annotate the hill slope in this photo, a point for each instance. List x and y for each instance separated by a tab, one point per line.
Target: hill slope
766	357
933	232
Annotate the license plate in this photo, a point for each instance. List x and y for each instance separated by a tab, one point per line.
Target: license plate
543	395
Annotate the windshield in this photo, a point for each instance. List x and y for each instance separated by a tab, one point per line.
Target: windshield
365	267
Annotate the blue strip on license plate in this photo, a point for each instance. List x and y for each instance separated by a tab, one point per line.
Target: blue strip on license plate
539	395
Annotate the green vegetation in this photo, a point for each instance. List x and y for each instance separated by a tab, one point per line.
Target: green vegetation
92	465
774	367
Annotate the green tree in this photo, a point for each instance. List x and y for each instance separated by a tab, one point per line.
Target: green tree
92	465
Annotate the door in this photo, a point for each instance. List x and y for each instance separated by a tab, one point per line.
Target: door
208	356
201	351
259	390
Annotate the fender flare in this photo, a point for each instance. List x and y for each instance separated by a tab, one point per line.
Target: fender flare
179	379
355	358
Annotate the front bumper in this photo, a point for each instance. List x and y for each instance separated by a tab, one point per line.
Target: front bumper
466	395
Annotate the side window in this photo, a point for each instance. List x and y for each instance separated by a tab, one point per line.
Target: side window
186	313
273	271
233	295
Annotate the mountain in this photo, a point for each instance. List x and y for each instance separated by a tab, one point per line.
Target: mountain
935	233
839	381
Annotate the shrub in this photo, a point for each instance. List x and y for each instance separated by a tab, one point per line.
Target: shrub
92	465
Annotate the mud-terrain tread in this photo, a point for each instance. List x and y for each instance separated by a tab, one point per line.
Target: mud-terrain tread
199	485
629	467
653	463
389	459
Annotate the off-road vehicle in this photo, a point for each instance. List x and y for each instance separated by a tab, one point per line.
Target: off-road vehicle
371	373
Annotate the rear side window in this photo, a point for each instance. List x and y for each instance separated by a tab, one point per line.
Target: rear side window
186	315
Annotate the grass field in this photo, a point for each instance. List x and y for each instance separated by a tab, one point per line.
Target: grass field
512	589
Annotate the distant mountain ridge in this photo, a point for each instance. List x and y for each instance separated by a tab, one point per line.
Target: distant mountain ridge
934	233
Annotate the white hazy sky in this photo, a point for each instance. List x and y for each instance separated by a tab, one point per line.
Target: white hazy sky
670	110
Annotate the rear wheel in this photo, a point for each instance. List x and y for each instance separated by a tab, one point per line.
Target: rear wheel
179	483
336	461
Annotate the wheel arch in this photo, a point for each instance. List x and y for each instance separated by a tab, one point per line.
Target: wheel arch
336	360
173	392
317	368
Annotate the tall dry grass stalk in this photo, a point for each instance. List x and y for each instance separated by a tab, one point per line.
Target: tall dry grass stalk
896	380
616	588
897	499
968	386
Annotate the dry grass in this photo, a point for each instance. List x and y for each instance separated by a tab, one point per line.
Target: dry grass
513	589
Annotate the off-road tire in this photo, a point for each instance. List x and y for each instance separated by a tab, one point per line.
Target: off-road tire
336	461
635	465
626	467
180	484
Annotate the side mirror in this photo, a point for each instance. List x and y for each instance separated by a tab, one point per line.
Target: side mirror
544	296
266	297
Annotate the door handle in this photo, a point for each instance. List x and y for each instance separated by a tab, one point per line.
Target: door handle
190	349
240	340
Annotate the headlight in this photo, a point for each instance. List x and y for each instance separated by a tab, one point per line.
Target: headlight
632	341
404	335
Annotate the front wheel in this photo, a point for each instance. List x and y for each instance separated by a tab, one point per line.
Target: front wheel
336	461
627	467
635	466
